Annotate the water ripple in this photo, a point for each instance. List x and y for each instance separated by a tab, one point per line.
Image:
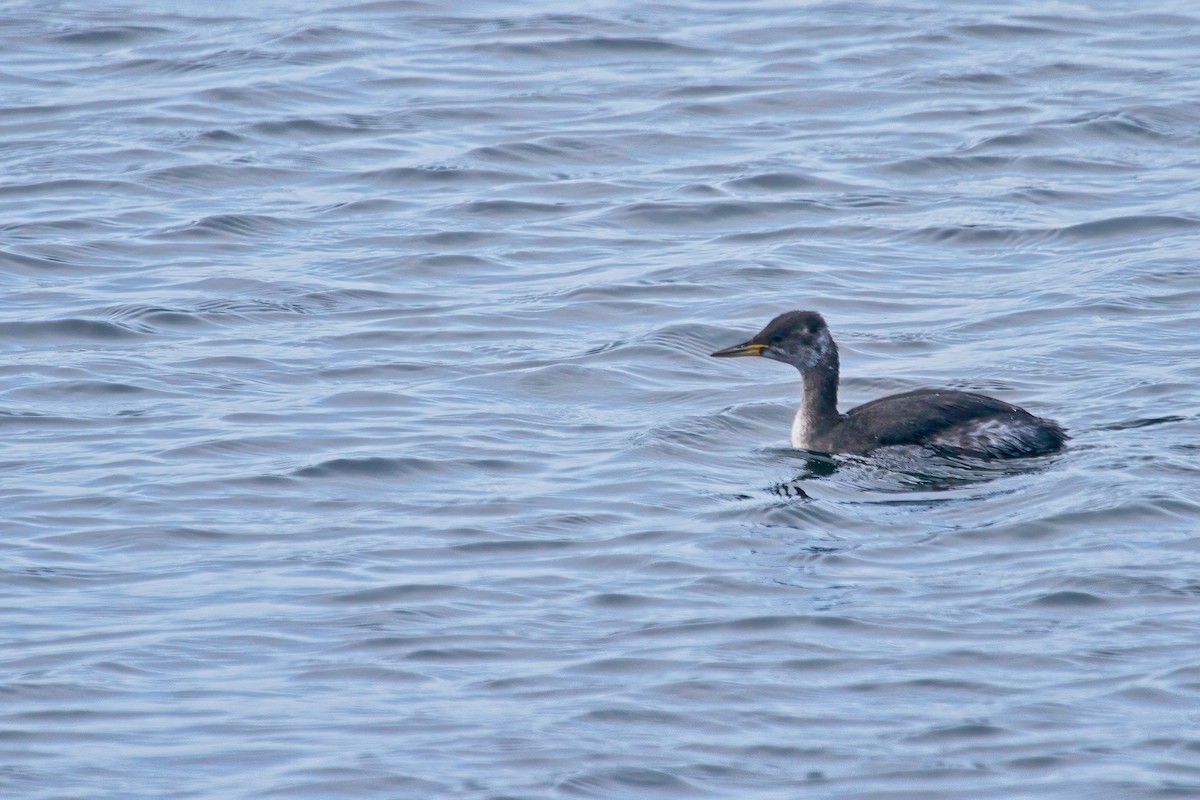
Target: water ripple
361	432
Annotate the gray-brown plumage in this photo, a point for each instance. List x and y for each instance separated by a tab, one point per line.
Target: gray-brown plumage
946	421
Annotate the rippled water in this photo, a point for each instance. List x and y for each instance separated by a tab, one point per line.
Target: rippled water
360	438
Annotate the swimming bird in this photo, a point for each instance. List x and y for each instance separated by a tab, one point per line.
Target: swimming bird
944	420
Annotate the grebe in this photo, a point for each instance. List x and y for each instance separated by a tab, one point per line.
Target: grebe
947	421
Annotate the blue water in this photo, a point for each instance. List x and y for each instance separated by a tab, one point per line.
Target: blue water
360	438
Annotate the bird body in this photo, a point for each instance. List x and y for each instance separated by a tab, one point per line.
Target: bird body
949	421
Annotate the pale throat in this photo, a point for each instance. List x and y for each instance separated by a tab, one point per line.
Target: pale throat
800	429
818	405
809	414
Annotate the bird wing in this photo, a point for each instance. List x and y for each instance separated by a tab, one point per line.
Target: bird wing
915	417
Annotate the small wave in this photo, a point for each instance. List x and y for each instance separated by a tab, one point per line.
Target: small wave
621	781
540	23
240	225
592	48
57	390
461	263
979	235
327	34
782	182
455	239
155	66
221	136
1118	125
37	419
221	448
375	467
408	592
970	80
309	128
66	331
160	319
969	731
358	676
222	177
514	208
1068	599
976	165
150	319
1008	31
683	338
572	382
366	399
246	307
1056	198
707	215
1143	423
515	547
553	151
1149	125
253	58
442	176
800	233
1128	227
108	36
33	264
375	207
72	187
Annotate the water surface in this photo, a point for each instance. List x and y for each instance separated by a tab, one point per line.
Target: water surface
360	438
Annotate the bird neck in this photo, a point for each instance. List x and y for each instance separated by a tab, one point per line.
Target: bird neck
819	404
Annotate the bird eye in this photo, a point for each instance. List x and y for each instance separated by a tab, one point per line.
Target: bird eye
776	339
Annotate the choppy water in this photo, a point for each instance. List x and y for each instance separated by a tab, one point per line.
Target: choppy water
360	438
